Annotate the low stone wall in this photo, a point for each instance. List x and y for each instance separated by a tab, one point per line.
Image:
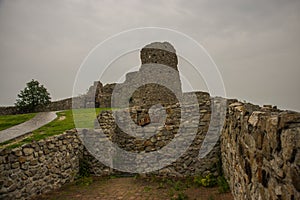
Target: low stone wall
39	167
64	104
261	152
10	110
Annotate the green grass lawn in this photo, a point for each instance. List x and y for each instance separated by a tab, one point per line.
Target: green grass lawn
7	121
64	121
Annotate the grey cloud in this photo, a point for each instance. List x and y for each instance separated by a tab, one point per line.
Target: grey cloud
254	43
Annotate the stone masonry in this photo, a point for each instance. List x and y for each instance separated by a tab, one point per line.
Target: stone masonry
188	164
39	167
261	152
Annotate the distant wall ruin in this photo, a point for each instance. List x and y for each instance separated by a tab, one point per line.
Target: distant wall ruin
64	104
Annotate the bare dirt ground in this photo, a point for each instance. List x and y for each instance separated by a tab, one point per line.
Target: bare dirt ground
131	189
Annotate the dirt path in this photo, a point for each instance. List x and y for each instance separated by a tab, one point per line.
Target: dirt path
131	189
38	121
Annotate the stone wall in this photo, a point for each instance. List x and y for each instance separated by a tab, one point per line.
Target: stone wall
10	110
103	99
39	167
160	53
261	152
64	104
189	164
98	96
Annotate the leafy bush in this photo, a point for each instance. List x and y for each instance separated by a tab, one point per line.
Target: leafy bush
84	175
178	186
84	181
207	181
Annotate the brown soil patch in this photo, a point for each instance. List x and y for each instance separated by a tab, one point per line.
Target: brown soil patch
207	193
131	189
61	118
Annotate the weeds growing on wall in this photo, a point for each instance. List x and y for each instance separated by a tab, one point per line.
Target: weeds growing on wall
84	168
223	185
84	175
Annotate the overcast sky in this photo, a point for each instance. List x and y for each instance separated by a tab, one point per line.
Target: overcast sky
255	44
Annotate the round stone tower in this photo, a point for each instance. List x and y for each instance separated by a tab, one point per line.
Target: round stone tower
157	83
161	53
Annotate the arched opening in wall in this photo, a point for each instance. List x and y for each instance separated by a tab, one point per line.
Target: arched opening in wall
130	100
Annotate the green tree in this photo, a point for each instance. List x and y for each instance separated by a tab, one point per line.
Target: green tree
34	95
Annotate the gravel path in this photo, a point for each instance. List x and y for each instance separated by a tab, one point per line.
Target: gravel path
38	121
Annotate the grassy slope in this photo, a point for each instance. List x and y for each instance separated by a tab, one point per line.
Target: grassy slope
7	121
63	122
